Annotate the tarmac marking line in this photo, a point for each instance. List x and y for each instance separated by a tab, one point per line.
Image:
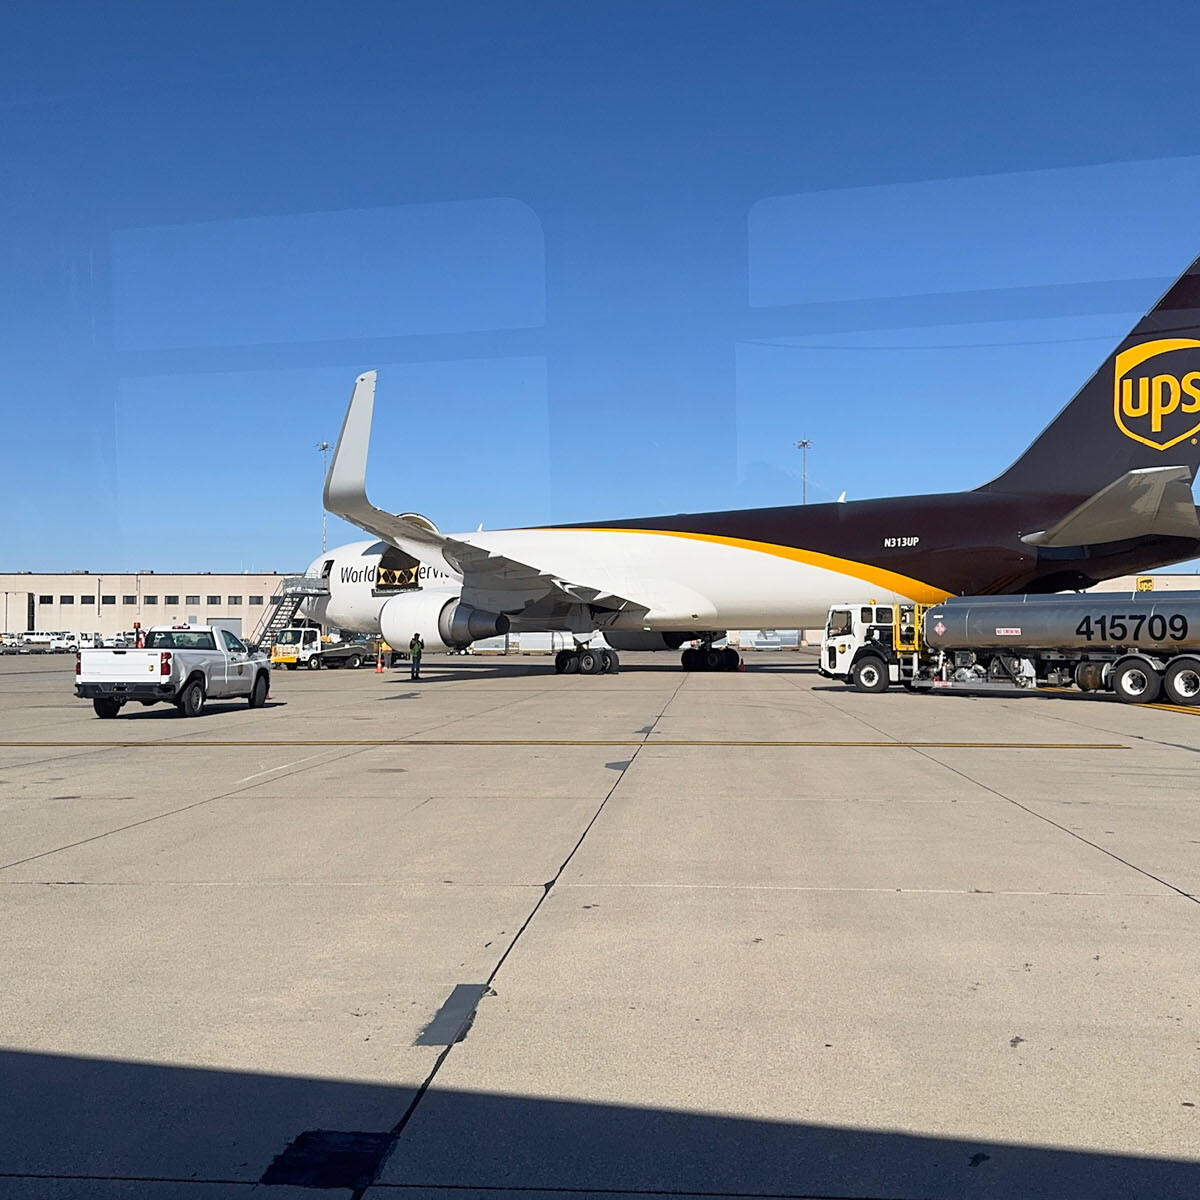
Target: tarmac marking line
565	742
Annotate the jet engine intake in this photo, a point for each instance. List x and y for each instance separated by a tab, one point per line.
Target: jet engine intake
441	618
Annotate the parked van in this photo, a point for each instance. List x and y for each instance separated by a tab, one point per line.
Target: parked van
41	641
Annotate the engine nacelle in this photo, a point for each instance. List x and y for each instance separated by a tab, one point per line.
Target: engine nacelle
441	618
643	640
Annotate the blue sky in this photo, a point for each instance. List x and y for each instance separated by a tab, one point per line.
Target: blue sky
610	260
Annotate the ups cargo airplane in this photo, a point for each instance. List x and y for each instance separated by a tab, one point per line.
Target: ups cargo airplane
1104	491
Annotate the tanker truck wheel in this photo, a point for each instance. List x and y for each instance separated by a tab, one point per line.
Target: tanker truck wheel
870	675
1182	681
1136	682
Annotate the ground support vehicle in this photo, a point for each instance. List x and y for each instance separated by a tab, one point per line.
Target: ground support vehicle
39	642
184	665
303	646
1137	646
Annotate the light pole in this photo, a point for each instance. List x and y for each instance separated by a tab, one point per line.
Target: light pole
803	446
324	448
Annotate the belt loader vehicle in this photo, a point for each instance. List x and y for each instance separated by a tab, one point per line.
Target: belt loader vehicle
1137	646
303	646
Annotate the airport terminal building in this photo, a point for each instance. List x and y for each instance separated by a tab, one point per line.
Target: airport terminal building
109	603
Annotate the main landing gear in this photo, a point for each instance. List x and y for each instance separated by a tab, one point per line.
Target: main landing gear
583	661
708	658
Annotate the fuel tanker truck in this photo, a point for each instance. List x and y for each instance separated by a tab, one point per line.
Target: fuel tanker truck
1137	646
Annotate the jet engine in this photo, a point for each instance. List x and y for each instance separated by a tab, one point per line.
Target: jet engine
642	640
441	618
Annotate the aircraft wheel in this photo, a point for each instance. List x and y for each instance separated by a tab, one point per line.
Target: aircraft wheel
688	659
589	662
870	675
714	660
571	663
1182	681
1136	682
612	661
560	661
733	659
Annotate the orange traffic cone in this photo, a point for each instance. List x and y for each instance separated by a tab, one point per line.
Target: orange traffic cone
379	663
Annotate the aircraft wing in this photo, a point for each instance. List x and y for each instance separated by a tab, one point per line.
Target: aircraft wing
490	580
1153	501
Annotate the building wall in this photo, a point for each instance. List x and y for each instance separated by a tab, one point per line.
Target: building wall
81	602
1163	581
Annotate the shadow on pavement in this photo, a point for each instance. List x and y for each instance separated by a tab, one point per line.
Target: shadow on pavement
75	1127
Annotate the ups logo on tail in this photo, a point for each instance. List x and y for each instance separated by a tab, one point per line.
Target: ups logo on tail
1156	400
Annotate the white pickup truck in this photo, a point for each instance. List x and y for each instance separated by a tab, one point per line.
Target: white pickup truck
184	665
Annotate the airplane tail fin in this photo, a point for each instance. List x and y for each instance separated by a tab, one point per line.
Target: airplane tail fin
1140	409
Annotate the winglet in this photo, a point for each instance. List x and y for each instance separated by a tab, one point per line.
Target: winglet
346	484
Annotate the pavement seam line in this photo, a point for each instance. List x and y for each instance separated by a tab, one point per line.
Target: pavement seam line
1062	828
164	815
1039	816
397	1130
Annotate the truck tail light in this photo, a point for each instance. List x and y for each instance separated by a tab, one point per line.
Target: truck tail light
164	663
77	662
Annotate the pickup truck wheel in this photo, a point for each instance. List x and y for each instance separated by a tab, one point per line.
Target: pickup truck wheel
354	662
314	663
258	693
870	675
106	708
191	699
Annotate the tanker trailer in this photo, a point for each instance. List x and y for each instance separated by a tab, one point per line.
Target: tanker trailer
1136	645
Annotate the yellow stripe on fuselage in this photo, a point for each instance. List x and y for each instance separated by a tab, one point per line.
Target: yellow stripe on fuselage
880	577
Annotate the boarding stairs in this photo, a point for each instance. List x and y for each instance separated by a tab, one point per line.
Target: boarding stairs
292	592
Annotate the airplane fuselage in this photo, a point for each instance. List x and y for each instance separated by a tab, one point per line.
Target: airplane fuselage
777	567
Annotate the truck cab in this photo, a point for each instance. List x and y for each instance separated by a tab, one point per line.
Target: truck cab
872	645
297	647
304	646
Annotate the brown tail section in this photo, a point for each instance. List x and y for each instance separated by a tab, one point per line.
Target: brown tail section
1140	409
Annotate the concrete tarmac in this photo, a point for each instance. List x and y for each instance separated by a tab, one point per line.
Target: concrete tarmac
506	933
